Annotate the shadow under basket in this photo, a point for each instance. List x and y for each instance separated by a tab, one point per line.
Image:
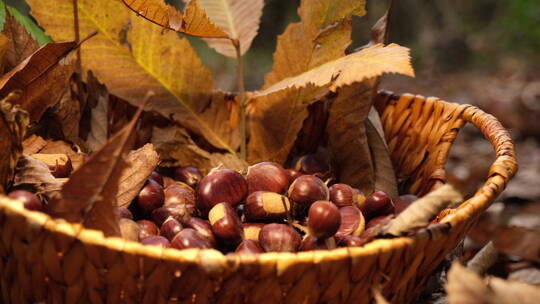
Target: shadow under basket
50	260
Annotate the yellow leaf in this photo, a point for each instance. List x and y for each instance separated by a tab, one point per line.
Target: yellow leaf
194	22
322	36
238	18
366	63
145	59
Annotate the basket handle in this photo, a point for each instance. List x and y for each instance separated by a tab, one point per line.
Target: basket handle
503	168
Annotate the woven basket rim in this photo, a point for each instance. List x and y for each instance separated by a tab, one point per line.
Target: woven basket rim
212	259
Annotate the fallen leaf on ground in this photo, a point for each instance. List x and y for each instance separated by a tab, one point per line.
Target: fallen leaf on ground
13	124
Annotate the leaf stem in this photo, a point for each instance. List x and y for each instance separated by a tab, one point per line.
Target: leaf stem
242	95
78	62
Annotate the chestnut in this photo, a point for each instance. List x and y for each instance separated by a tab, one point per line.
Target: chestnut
225	185
359	198
167	181
308	188
30	200
147	228
129	230
352	241
157	177
292	174
150	197
403	201
324	219
266	176
266	206
379	220
189	238
179	212
179	193
59	164
312	243
170	228
225	223
341	194
189	175
125	213
203	227
312	164
156	240
252	230
352	222
249	246
377	203
279	237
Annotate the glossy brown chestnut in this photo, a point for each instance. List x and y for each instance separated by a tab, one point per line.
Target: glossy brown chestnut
151	197
179	212
377	203
189	175
341	194
266	206
157	177
30	200
352	241
279	237
249	246
59	164
312	243
267	176
352	222
125	213
156	240
225	223
311	164
167	181
379	221
252	230
129	230
170	228
324	219
179	193
308	188
147	228
203	227
189	238
220	186
403	201
292	174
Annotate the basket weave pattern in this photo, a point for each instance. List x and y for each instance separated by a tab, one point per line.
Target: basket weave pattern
51	260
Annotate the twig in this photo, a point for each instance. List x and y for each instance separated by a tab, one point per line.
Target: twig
484	259
78	62
242	96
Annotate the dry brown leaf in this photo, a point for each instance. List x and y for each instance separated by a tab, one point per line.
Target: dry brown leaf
385	177
33	144
176	148
421	211
322	36
466	287
98	101
42	77
530	275
147	57
518	241
21	44
36	173
347	138
62	120
193	22
140	163
89	196
62	147
238	18
364	64
4	47
13	124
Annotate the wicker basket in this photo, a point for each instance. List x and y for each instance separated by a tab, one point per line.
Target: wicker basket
50	260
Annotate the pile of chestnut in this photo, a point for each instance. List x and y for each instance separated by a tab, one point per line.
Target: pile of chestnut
270	209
